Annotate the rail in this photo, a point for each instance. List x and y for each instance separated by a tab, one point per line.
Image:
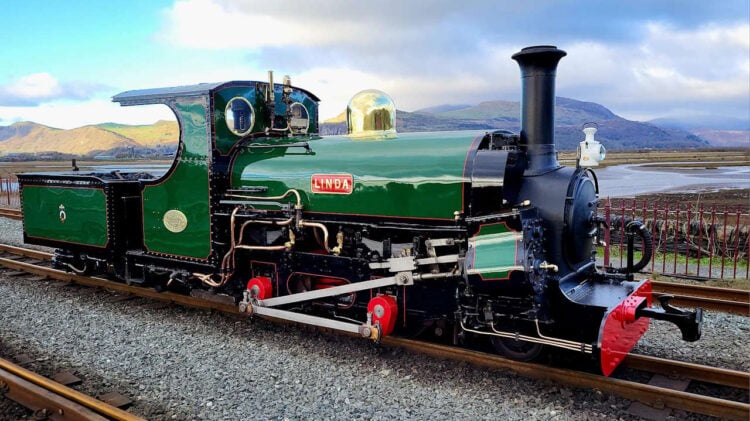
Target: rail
11	213
727	300
645	393
49	399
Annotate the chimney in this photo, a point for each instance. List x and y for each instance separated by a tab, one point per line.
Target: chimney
538	65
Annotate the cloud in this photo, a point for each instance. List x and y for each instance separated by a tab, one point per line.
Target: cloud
68	114
33	89
627	55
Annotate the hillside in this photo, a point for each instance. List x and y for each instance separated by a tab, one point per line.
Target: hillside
27	137
728	138
31	138
614	131
160	133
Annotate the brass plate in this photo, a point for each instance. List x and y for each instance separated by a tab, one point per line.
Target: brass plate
175	221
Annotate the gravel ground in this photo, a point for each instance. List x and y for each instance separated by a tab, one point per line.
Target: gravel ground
179	363
11	232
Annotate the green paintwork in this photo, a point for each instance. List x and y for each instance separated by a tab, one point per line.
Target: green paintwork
185	188
225	139
417	175
493	252
85	214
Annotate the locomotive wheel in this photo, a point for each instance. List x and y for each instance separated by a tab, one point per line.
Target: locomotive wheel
516	350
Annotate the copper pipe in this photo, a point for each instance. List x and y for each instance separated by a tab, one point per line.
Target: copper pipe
261	247
303	224
282	223
228	262
68	393
234	244
288	192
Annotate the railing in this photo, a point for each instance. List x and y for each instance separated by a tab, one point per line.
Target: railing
694	242
9	194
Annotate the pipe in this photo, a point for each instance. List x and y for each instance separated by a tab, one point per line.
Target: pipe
580	347
298	205
228	261
633	228
538	65
520	337
303	224
282	223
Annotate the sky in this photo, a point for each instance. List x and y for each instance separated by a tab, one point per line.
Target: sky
62	61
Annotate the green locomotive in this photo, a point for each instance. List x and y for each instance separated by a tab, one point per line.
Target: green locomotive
450	235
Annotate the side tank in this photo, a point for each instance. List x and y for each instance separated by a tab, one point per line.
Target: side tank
417	175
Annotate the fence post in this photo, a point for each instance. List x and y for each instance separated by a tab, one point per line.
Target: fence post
737	243
700	237
653	236
687	235
665	228
676	235
724	248
608	221
711	239
622	227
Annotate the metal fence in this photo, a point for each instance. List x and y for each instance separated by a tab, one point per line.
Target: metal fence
697	242
9	195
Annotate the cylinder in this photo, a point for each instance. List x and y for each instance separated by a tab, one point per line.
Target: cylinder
538	66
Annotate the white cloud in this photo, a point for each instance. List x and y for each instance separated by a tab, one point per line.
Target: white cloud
208	24
68	115
35	88
669	69
36	85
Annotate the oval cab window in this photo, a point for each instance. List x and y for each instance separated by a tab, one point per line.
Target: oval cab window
300	120
239	116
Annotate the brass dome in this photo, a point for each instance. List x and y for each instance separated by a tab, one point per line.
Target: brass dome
371	114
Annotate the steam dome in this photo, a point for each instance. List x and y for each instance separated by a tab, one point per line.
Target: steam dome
371	114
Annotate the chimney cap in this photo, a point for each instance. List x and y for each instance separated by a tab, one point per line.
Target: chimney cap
536	49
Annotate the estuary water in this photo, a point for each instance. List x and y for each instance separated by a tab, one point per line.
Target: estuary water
633	179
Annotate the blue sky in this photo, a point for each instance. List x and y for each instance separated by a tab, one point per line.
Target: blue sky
60	62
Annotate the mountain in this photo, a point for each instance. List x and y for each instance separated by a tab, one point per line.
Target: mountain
726	138
28	137
160	133
161	137
570	114
19	129
31	138
704	122
442	108
719	130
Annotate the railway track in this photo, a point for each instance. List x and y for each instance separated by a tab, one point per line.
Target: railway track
11	213
51	400
33	262
727	300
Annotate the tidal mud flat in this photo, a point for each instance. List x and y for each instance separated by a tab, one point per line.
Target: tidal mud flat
731	198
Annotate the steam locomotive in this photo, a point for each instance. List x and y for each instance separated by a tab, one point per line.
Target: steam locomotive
447	235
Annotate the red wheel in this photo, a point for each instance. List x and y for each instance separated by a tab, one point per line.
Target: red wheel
260	287
384	309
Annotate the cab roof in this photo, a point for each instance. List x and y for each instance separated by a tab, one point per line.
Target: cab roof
162	95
